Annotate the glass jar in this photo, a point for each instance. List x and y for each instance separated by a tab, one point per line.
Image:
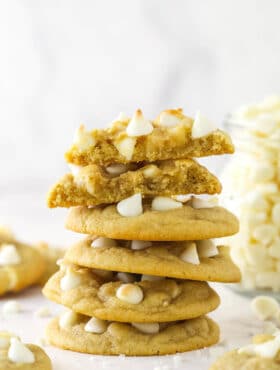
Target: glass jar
251	189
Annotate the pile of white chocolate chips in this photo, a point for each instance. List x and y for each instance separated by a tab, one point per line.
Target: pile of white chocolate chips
251	190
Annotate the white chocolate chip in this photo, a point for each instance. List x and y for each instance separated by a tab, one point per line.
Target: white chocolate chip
268	349
265	307
206	248
189	254
184	198
75	169
146	328
206	202
262	172
138	125
152	278
256	200
276	214
70	280
122	117
96	326
126	277
131	207
265	233
9	255
150	171
126	147
165	204
274	248
117	169
68	319
130	293
140	244
11	307
103	242
5	338
83	139
43	312
202	126
167	119
19	353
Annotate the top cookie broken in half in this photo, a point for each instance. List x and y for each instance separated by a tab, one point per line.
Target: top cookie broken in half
170	136
94	185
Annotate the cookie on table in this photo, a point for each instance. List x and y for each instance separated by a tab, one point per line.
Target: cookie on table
171	136
51	255
20	266
6	235
210	263
98	293
263	354
19	356
180	224
94	185
88	335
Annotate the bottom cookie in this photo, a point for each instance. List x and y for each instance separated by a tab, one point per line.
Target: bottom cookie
123	338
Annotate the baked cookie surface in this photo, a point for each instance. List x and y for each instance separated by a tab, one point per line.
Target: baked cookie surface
42	361
25	268
185	223
93	185
163	300
113	145
236	361
122	338
160	259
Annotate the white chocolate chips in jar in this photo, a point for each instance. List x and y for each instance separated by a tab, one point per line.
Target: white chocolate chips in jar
251	190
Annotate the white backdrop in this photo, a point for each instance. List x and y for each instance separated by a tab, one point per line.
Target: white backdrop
72	61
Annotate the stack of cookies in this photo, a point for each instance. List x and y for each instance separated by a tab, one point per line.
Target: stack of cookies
137	285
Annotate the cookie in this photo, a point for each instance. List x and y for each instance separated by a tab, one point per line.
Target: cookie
160	259
234	360
185	223
6	235
93	185
114	145
123	338
162	300
51	255
20	266
11	358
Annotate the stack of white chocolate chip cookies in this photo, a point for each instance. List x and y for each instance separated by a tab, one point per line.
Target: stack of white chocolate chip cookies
137	284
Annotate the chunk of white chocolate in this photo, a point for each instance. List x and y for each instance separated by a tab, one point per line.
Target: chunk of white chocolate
165	204
126	146
70	280
117	169
19	353
9	255
96	326
206	248
103	242
265	307
11	307
5	338
189	254
146	328
140	244
130	293
265	233
138	125
131	207
83	139
68	319
204	202
75	169
202	126
275	215
167	119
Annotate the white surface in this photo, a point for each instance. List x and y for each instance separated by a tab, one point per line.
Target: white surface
33	221
72	61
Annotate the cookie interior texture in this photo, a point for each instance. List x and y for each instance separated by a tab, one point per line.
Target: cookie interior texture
164	300
42	361
122	338
161	259
94	186
161	144
185	223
